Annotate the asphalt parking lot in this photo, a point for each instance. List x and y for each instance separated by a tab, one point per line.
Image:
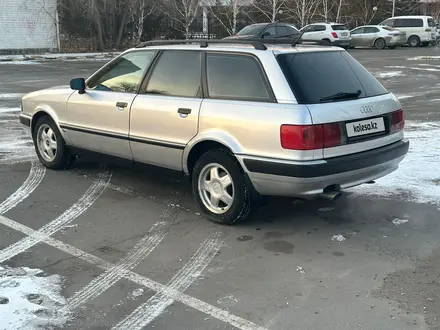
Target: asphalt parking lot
127	249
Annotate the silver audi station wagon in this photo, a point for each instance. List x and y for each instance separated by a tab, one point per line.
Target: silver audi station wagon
242	119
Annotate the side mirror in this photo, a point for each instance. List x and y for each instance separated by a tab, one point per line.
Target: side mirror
78	84
265	34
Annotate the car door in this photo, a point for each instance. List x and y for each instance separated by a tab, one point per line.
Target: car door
369	36
164	116
356	36
98	120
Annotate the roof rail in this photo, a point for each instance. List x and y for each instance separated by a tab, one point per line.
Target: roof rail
203	42
259	45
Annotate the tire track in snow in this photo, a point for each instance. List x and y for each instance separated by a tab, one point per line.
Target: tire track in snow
35	177
156	305
87	200
199	305
135	256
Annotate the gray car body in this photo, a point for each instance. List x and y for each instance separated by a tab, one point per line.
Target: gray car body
150	130
360	36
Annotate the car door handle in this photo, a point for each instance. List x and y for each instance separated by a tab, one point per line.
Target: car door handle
184	111
121	105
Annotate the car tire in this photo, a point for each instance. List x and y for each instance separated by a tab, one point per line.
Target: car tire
380	43
219	177
327	42
414	41
50	146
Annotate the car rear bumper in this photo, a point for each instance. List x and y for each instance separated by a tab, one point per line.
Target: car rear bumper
282	178
341	43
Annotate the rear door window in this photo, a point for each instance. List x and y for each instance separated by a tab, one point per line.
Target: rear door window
339	28
431	22
312	76
236	77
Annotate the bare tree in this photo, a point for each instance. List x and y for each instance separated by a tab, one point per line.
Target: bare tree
365	10
140	10
183	12
338	12
227	13
303	11
269	8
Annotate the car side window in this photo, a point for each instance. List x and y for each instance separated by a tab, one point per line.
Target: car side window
269	32
282	31
370	30
123	75
357	31
388	22
177	73
319	28
236	77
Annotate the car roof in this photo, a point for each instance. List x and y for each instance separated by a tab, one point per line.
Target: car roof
411	16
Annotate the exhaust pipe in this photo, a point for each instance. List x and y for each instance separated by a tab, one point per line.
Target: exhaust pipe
331	195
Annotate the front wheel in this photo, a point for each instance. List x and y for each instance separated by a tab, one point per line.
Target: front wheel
414	41
220	187
50	146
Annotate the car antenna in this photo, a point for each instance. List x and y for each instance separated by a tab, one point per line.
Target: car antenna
297	39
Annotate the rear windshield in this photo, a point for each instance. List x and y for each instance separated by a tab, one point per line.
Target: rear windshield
317	75
339	27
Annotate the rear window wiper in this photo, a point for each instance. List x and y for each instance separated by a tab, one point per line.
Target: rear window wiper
341	96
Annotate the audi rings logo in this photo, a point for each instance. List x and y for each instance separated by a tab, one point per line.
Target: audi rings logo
367	109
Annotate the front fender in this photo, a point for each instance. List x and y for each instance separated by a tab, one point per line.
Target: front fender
214	135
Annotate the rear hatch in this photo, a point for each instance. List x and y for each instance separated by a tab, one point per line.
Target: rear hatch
341	31
356	112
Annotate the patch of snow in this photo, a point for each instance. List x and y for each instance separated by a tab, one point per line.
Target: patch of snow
402	97
418	177
30	300
20	63
137	293
427	69
338	238
418	58
390	74
11	96
398	221
395	67
300	270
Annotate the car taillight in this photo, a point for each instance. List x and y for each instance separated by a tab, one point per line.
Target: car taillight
310	137
335	35
332	135
398	121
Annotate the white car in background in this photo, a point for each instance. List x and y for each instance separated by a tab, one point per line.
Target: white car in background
334	33
420	30
377	36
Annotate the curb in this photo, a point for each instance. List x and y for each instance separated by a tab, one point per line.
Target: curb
56	56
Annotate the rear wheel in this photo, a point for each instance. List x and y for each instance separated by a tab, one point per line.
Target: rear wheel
50	145
220	187
414	41
327	41
380	43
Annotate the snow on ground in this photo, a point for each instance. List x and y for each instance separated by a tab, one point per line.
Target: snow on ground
29	300
419	58
390	74
427	69
338	238
418	177
20	63
11	96
15	142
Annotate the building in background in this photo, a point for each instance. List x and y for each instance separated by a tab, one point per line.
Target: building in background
28	26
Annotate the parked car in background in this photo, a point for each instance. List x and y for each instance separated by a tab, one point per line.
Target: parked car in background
266	31
334	33
377	36
420	30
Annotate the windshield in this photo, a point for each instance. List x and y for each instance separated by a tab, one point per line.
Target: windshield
252	30
312	77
